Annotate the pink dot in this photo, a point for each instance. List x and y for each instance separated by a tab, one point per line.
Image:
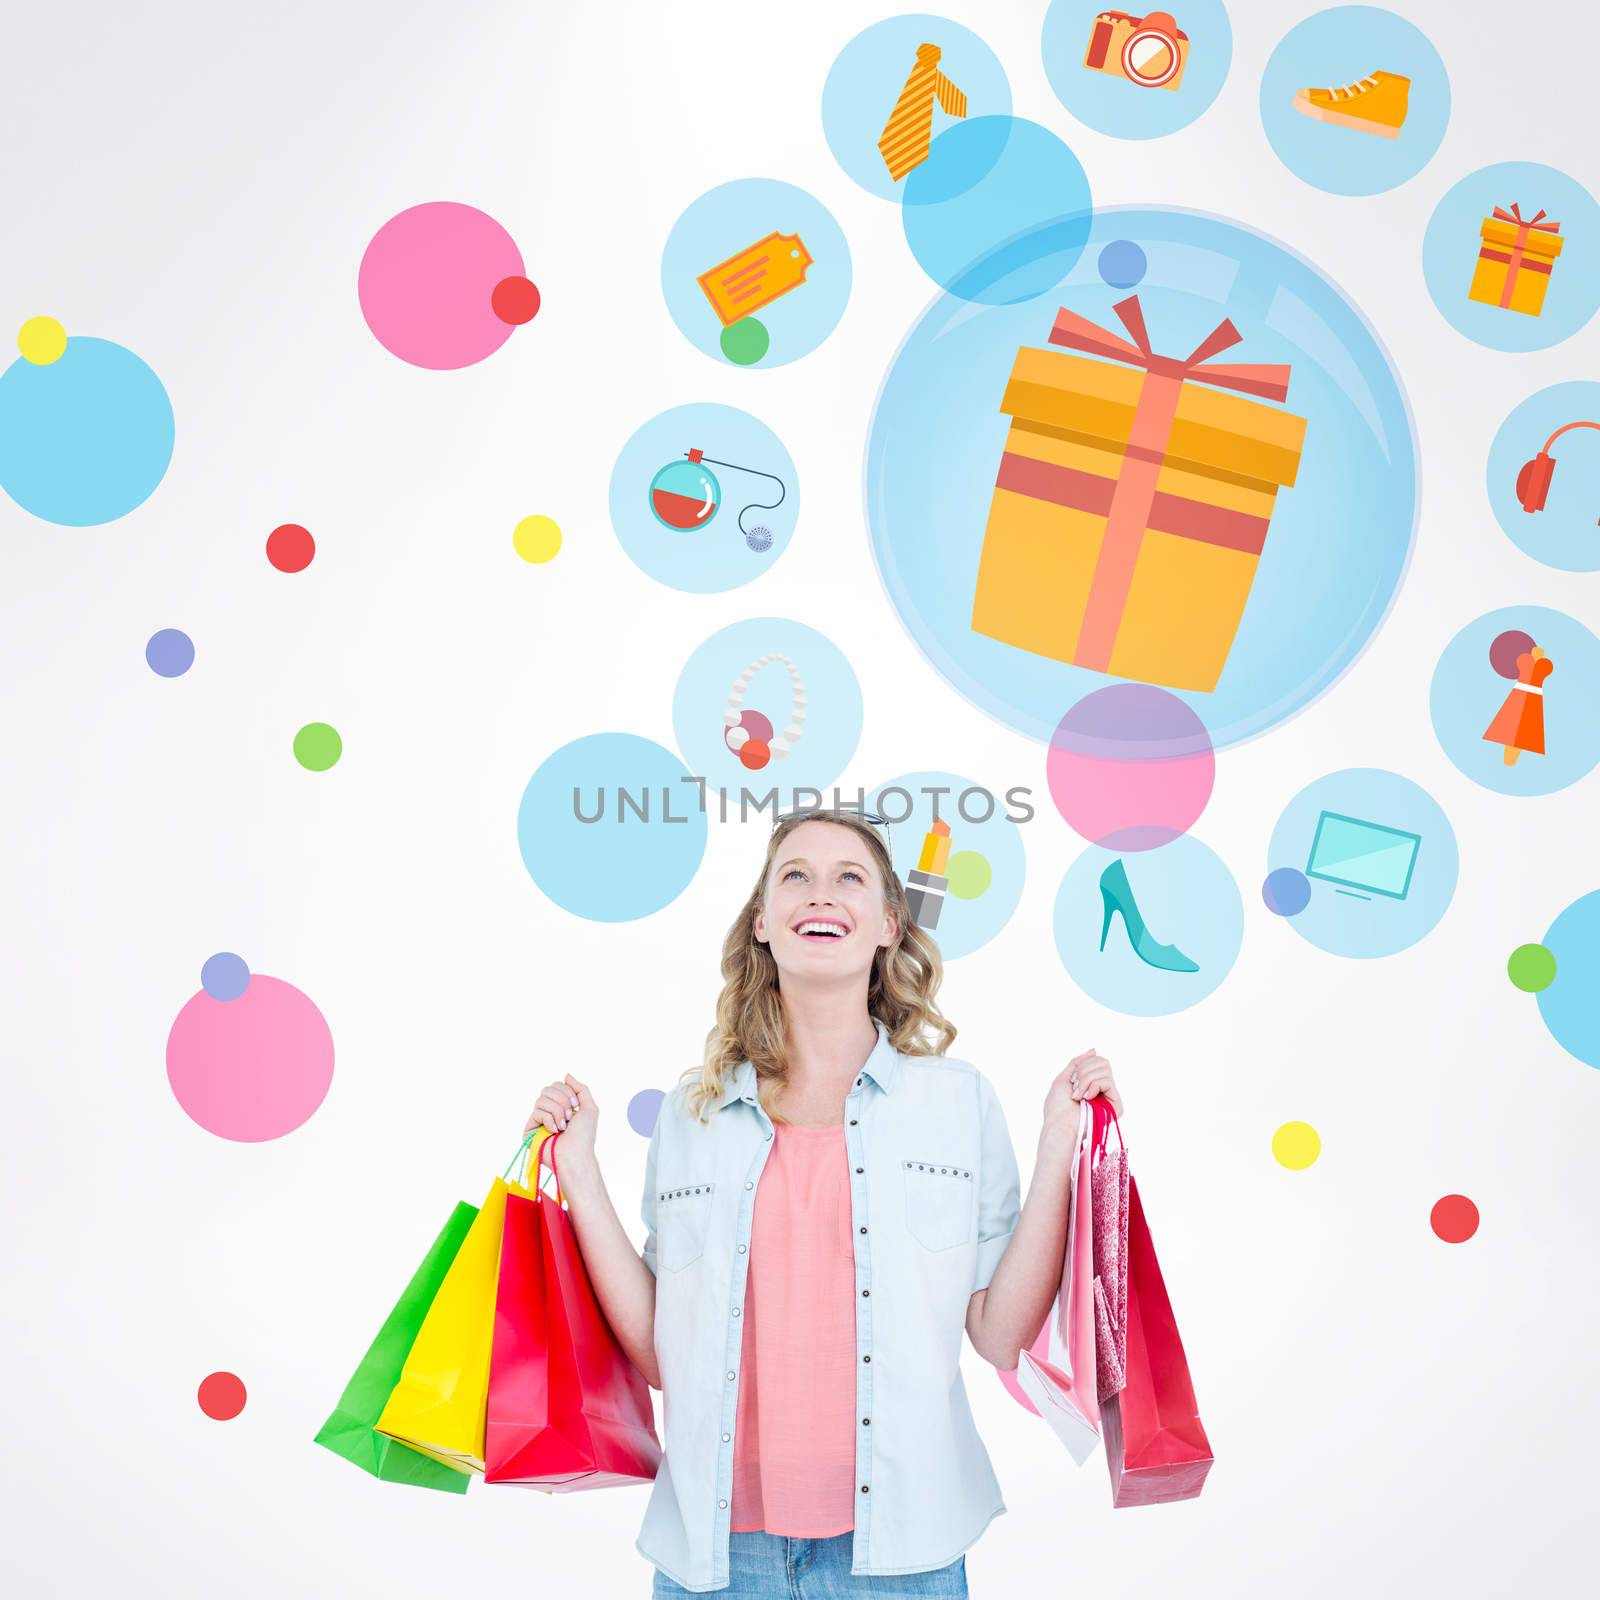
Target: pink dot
221	1396
1040	1350
1454	1218
515	300
1130	767
253	1068
427	284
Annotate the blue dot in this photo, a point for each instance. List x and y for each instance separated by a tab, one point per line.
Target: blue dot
643	1110
84	439
170	652
225	976
999	213
1287	891
1122	264
610	827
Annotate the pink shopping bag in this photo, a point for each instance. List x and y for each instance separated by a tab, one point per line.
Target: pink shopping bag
1059	1373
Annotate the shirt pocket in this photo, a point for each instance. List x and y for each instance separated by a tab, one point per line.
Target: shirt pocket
938	1202
682	1217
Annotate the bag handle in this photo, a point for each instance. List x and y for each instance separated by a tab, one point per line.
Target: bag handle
1104	1117
530	1157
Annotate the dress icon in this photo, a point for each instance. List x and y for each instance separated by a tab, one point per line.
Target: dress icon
1519	723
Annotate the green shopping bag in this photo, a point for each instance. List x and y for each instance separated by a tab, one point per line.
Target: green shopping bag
348	1432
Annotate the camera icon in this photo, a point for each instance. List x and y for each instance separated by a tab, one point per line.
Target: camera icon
1150	51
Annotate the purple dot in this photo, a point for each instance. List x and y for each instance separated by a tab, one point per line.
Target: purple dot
643	1110
1122	264
225	976
1506	648
170	652
1286	892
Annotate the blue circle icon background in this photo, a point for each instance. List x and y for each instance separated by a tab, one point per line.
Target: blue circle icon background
1565	533
618	867
833	708
1568	1005
1337	48
1340	537
1002	215
1111	104
866	79
1382	833
964	925
729	219
1186	897
1467	693
716	556
86	438
1452	241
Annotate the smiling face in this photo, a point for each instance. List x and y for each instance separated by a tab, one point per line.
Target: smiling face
824	914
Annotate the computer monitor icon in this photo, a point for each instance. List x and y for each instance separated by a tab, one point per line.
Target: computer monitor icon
1364	858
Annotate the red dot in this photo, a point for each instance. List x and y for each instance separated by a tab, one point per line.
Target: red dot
1454	1218
515	300
290	548
221	1396
755	753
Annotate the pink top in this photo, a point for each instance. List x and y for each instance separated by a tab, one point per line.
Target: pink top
794	1450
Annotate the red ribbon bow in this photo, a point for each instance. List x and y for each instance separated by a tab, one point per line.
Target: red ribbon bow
1078	333
1515	215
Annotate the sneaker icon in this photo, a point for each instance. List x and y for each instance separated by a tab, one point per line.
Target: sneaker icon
1377	104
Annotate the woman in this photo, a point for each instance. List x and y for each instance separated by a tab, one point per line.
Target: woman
829	1199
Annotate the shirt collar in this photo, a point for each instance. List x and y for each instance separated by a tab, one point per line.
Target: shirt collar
881	1066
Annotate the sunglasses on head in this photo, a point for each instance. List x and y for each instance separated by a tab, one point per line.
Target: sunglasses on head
831	813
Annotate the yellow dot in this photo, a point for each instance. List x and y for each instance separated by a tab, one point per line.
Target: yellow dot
42	340
537	538
1296	1145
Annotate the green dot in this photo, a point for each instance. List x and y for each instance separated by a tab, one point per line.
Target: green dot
969	873
745	342
1532	967
317	746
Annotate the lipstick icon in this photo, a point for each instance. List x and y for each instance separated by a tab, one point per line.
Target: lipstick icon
926	884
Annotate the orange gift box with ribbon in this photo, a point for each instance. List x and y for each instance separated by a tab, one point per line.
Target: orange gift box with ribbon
1515	260
1132	502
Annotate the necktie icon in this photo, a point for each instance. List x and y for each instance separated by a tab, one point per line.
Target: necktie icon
909	130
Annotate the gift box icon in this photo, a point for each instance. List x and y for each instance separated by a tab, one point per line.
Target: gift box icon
1133	501
1515	260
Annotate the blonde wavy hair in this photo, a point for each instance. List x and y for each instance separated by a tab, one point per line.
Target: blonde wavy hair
751	1023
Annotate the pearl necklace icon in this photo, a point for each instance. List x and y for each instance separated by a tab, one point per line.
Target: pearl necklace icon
686	495
748	734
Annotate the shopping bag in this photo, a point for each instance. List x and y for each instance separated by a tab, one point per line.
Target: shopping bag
1156	1448
1109	1208
349	1431
567	1409
438	1404
1061	1380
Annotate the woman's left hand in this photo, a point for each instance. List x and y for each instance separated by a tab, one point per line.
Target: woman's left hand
1082	1078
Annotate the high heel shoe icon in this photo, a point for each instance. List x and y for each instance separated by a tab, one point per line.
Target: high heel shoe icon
1116	893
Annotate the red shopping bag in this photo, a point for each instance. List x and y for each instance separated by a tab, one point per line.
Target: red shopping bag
1156	1449
567	1409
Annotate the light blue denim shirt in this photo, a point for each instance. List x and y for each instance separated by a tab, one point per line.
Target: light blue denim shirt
934	1198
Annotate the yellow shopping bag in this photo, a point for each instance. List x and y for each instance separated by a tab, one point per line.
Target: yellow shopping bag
441	1401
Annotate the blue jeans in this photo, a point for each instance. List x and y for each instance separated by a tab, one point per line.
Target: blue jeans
774	1566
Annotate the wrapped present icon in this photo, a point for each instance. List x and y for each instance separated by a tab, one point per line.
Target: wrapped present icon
1515	260
1132	502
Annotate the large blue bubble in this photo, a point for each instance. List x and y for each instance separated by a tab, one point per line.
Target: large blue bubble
85	439
1338	540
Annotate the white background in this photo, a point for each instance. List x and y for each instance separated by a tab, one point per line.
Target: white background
1391	1415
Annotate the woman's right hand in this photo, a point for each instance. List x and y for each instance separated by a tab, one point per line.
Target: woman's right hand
567	1108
